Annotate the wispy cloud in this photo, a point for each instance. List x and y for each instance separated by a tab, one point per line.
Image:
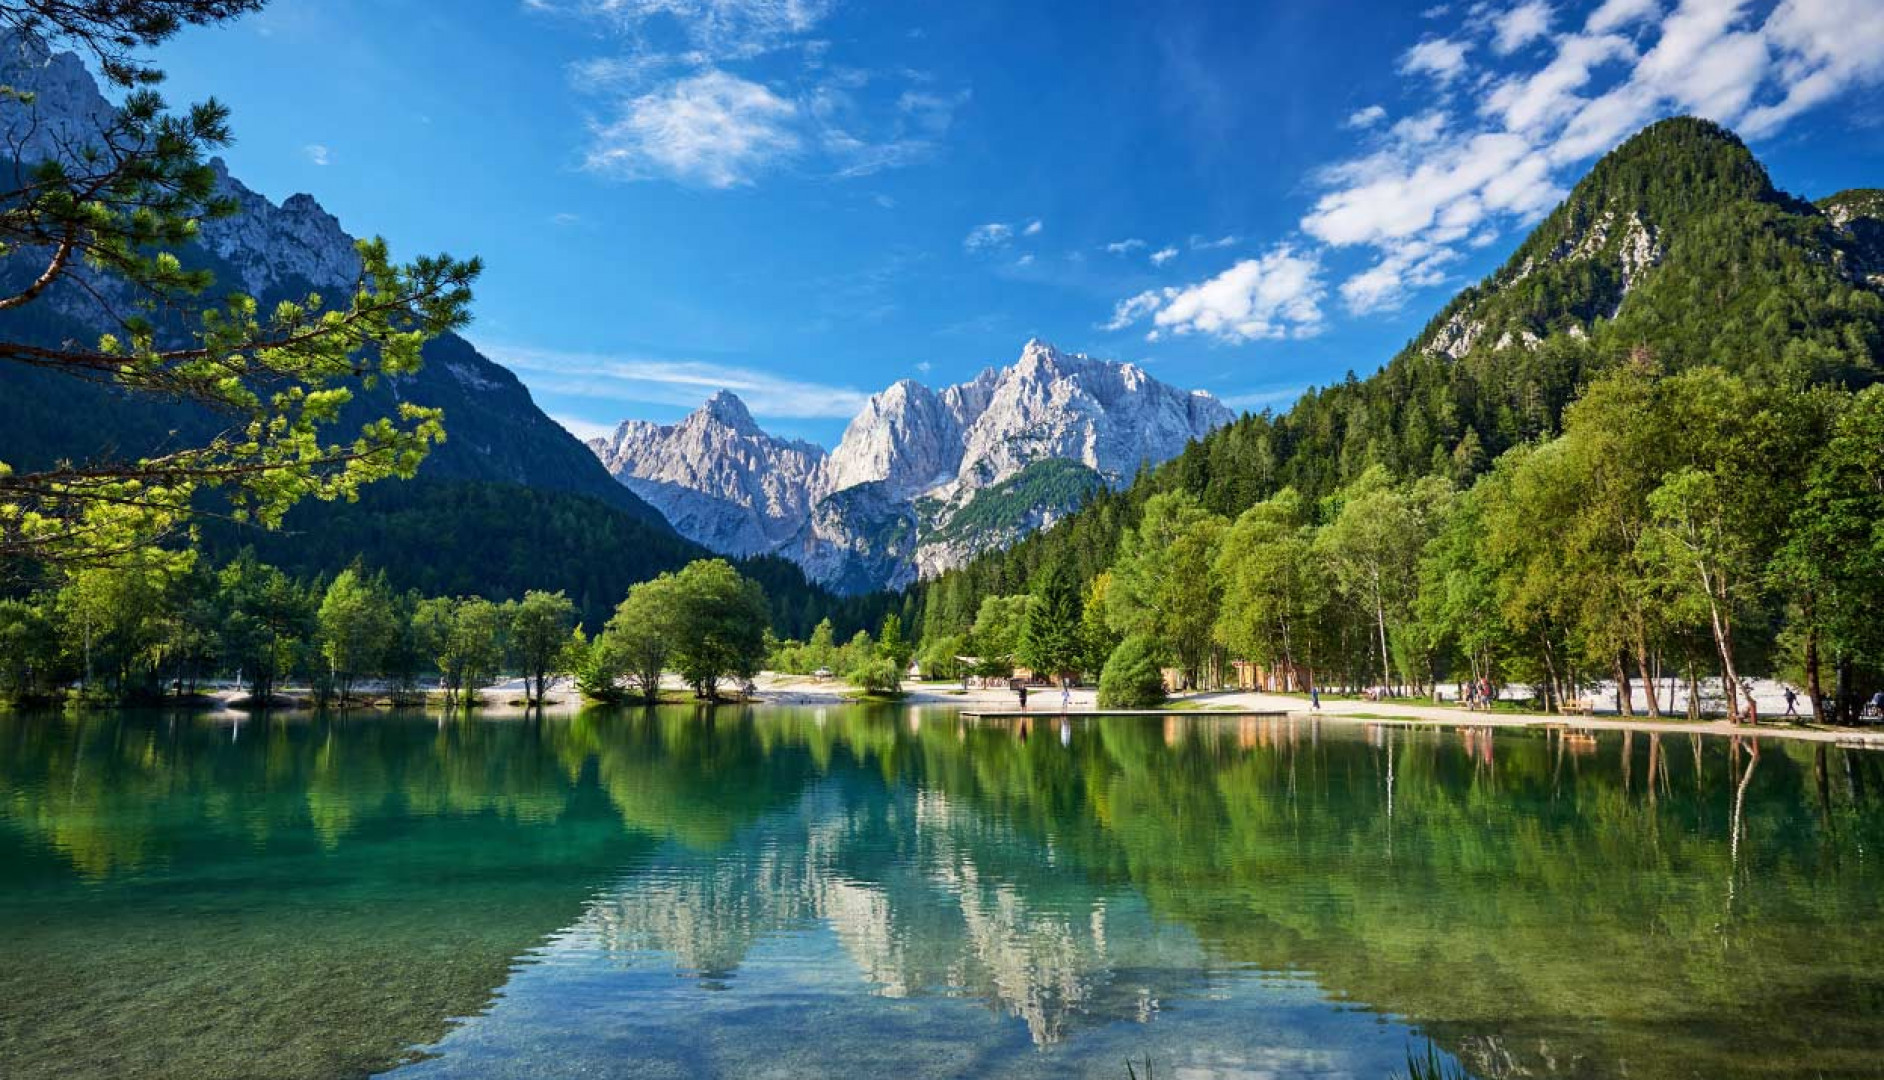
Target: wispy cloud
583	429
1265	397
1366	117
640	381
1163	255
721	93
713	128
317	153
994	234
1126	246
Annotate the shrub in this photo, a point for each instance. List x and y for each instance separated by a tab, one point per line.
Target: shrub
1131	678
877	675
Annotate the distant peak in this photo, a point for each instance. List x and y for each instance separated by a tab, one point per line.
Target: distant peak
725	407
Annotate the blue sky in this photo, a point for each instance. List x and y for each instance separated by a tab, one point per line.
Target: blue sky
805	200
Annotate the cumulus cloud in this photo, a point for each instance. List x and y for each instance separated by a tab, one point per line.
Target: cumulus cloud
1441	58
1033	228
1367	117
1163	255
1427	187
1514	29
713	128
1617	14
1277	295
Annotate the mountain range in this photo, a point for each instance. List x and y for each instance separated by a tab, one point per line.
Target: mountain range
922	479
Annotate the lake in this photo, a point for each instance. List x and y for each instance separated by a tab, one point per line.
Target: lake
911	893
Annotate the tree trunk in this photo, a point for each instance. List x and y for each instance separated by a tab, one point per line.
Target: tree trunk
1380	621
1724	643
1815	689
1625	695
1648	676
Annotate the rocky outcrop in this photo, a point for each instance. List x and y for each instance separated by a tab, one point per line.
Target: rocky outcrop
716	477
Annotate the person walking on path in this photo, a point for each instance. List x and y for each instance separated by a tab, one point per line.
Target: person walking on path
1792	703
1314	698
1066	697
1022	691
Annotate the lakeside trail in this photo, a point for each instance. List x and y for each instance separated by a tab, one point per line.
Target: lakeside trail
796	690
1000	703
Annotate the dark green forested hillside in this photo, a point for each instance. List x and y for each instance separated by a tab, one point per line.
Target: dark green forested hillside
1674	253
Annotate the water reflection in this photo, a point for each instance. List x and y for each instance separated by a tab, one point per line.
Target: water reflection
1016	896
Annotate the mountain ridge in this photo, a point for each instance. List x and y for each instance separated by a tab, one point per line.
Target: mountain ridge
908	465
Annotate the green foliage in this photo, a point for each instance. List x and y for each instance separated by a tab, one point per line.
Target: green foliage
1132	678
124	202
467	638
1164	584
1011	504
1050	641
877	675
539	630
718	620
358	626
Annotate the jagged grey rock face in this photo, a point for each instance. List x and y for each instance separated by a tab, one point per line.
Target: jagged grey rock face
296	245
716	477
877	511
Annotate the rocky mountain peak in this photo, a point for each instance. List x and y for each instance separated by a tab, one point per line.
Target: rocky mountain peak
882	503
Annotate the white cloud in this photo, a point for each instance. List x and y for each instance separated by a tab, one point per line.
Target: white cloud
924	366
713	129
317	153
1441	58
1549	94
1616	14
1429	186
1367	117
1163	255
601	377
995	234
1033	228
1125	247
1275	296
1514	29
713	30
1024	261
1201	243
1263	398
678	105
1824	47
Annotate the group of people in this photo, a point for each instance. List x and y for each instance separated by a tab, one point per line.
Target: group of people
1478	694
1066	693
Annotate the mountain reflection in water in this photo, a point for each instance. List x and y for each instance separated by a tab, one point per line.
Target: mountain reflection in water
908	891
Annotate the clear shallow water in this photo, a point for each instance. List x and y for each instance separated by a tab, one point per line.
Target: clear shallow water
901	892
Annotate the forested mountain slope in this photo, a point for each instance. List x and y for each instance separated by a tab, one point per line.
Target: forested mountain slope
1676	242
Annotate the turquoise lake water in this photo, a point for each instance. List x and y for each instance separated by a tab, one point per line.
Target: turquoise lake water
905	892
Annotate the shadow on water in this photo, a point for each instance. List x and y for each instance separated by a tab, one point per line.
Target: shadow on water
904	890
